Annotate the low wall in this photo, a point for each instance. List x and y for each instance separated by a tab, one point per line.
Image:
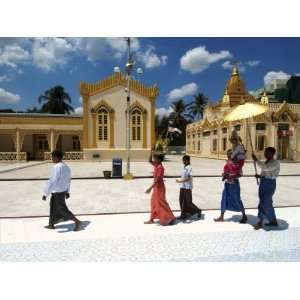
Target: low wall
13	156
108	154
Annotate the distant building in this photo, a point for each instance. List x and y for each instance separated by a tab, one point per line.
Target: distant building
278	127
100	134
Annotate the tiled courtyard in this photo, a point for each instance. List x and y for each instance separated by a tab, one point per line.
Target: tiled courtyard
126	238
120	235
90	196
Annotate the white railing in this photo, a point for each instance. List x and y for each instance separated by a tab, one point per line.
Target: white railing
11	156
74	155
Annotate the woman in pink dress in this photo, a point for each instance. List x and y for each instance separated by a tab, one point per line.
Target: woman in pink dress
160	208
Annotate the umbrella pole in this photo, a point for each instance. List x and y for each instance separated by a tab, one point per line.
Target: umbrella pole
252	148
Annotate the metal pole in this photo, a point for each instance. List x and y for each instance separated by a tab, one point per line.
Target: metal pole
129	64
252	148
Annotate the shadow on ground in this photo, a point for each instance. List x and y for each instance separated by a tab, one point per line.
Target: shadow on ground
70	226
186	221
252	220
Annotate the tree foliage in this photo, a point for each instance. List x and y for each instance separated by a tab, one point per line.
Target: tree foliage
56	101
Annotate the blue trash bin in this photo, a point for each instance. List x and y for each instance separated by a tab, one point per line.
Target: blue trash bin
117	167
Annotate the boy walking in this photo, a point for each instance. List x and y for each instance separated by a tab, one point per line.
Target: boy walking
188	208
58	186
269	172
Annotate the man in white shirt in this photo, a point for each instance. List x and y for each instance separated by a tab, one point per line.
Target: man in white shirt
58	186
188	208
269	172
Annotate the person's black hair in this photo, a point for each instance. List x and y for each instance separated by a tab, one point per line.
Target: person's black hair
160	157
187	158
229	150
271	150
58	154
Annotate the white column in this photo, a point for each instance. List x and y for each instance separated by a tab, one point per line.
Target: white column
52	146
293	143
18	146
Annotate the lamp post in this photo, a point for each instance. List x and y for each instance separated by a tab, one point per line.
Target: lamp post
128	71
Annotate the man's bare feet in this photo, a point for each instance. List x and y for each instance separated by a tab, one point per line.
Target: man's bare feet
272	223
220	219
243	220
49	227
258	226
77	226
149	222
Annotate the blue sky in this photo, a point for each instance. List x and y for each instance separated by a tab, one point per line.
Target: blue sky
180	66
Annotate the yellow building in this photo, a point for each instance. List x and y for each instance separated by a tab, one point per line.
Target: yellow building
100	134
279	127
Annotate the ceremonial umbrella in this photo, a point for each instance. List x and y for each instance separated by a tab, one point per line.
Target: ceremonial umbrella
246	111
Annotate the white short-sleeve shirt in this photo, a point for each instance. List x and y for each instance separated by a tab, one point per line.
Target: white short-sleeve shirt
185	174
59	180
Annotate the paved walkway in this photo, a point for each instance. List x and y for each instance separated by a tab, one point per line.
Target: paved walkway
126	238
6	167
173	166
118	195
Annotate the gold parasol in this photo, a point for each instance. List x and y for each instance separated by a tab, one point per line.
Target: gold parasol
246	111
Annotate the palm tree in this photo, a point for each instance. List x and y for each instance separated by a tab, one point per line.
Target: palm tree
32	110
56	101
179	118
196	107
161	125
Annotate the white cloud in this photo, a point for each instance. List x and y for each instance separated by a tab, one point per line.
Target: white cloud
12	55
227	64
78	110
185	90
162	111
253	63
242	66
273	75
199	59
5	78
96	49
50	53
80	100
9	98
150	59
119	45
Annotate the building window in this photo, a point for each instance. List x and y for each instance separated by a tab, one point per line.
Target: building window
193	136
103	125
260	142
189	136
136	125
42	143
215	144
260	126
76	143
224	130
206	133
283	126
237	127
199	146
224	144
199	134
215	132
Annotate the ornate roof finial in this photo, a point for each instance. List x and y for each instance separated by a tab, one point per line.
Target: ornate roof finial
235	70
226	98
264	98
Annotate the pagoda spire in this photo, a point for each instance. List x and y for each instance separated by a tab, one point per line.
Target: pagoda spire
235	70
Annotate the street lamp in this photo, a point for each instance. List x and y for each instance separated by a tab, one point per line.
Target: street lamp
128	70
